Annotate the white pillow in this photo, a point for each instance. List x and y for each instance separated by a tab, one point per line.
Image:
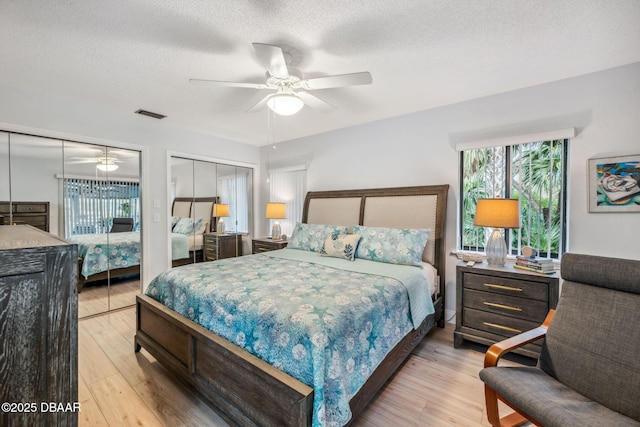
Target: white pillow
341	246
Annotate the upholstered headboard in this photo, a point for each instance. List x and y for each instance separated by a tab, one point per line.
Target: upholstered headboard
195	207
403	207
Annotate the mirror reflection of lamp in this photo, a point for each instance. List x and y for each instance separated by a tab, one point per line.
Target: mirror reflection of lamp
220	211
497	213
276	211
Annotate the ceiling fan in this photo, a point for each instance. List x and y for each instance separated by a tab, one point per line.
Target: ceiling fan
105	161
291	89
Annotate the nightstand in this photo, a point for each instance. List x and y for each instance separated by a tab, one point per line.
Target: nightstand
266	244
219	246
494	303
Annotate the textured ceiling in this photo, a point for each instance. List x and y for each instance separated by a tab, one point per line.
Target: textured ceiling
122	55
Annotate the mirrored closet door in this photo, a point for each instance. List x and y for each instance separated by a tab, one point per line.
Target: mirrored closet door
101	189
211	209
84	193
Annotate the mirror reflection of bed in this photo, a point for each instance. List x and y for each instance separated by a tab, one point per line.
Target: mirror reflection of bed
71	188
101	213
197	213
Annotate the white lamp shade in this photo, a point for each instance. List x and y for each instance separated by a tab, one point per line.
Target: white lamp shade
285	104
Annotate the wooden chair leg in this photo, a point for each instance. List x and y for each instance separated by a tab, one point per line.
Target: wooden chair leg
491	400
493	416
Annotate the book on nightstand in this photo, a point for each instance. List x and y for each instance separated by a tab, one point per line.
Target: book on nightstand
533	264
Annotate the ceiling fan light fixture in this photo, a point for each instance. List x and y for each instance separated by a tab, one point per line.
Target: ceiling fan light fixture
107	166
285	104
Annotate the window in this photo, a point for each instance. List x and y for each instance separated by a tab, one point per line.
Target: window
91	204
535	173
234	190
290	187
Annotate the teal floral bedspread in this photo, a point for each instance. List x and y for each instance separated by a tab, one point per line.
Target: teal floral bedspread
101	252
313	317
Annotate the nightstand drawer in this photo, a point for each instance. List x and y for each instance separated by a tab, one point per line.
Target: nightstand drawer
261	247
522	308
220	246
496	323
211	252
30	207
507	286
266	245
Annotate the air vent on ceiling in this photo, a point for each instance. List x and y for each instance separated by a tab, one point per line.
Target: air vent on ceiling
150	114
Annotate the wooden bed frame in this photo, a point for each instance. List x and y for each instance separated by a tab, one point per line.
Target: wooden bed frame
247	391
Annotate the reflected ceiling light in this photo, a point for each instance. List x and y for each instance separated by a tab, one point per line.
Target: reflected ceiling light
107	165
285	104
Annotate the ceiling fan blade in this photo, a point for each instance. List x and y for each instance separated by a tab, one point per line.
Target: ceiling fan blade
229	84
260	105
273	59
81	161
315	102
341	80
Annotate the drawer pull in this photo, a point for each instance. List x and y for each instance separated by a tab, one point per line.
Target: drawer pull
506	288
506	328
506	307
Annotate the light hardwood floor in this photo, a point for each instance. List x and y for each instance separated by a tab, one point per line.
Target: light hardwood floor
437	386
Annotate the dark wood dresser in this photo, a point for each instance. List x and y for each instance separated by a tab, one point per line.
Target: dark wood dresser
220	246
30	213
39	327
494	303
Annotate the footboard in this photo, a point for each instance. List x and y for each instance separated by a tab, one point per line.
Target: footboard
245	390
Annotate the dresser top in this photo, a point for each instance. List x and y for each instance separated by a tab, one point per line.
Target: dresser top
26	236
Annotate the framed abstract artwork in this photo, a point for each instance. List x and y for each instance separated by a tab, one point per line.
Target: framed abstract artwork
614	184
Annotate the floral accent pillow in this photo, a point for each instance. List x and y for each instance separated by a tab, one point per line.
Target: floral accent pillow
187	225
174	221
341	246
392	245
311	237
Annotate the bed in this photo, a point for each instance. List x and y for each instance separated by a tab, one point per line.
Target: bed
198	208
111	255
245	389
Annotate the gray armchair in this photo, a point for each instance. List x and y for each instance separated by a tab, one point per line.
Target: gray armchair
588	373
121	225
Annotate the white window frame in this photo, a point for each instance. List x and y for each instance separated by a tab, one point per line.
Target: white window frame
504	188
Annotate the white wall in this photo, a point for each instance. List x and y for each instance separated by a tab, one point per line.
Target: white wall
415	149
418	149
26	172
22	110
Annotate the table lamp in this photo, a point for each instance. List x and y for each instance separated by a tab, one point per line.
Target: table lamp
497	213
220	210
276	211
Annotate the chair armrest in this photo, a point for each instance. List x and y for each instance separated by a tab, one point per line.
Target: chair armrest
495	352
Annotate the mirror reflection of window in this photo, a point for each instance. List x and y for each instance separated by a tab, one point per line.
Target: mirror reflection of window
102	215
